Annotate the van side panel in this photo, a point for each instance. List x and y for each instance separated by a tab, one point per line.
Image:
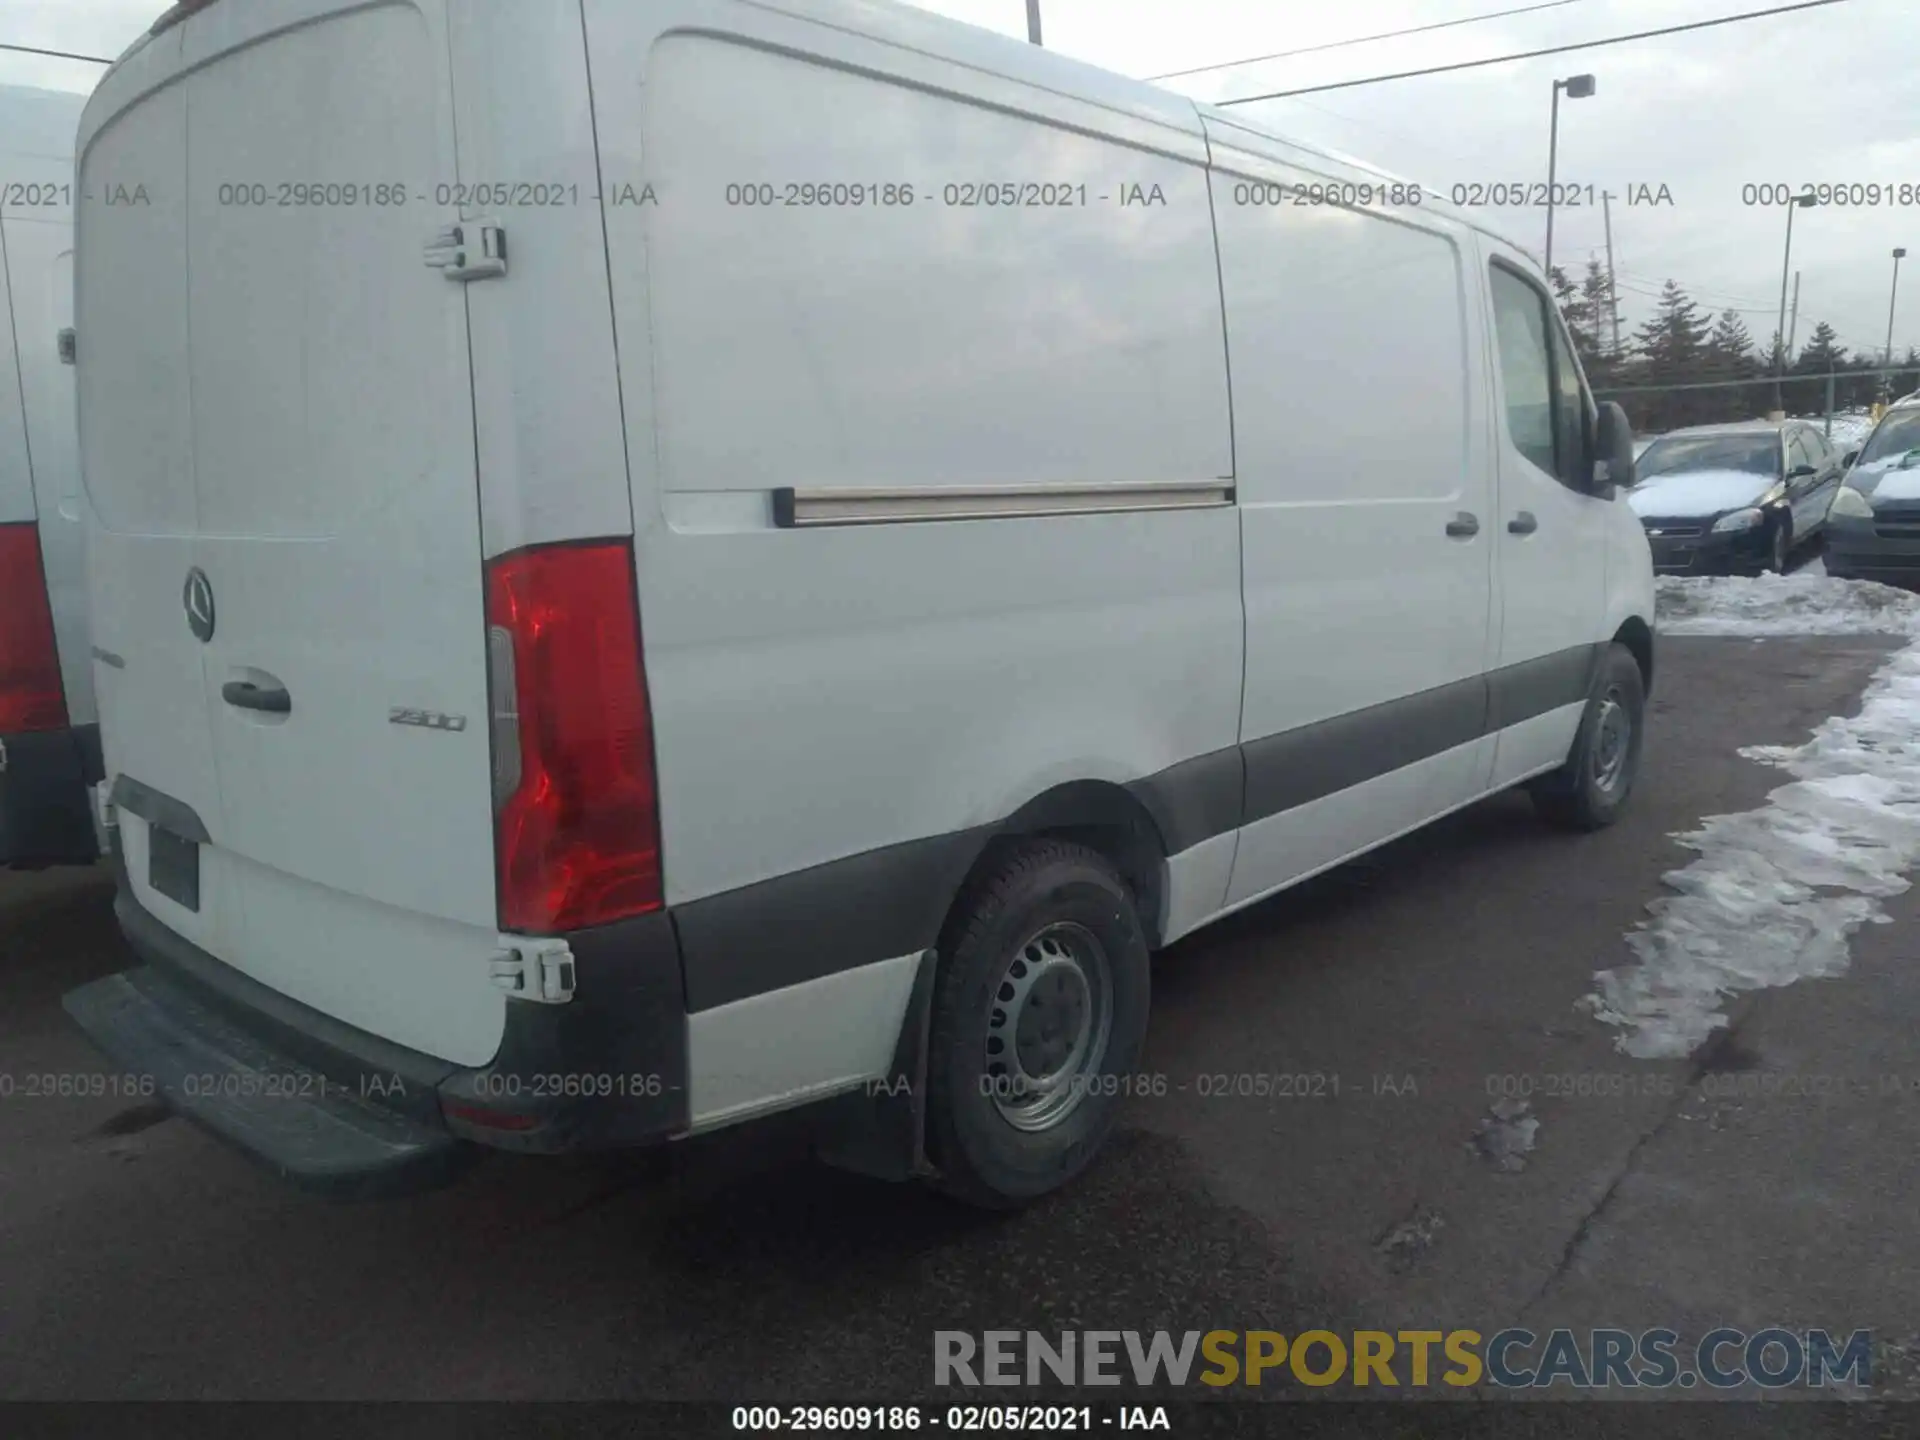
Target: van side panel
842	712
1357	431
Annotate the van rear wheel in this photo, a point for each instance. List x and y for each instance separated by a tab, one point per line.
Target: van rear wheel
1038	1020
1591	789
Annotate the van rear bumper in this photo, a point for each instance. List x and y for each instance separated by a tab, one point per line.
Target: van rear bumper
45	815
341	1111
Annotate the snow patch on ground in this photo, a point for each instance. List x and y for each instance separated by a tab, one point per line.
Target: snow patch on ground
1802	603
1777	890
1505	1134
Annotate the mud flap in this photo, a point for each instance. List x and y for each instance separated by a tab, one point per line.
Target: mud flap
880	1130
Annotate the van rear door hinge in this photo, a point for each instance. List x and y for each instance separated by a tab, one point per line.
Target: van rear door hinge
535	969
468	251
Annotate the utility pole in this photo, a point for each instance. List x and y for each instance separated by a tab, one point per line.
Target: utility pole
1886	384
1780	328
1033	21
1613	291
1793	327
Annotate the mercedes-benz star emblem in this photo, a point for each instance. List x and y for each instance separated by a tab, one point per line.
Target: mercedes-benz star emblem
198	598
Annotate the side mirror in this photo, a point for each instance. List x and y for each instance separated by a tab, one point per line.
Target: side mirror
1613	468
1846	460
1800	472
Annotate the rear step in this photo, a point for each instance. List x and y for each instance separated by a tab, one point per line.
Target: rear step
311	1130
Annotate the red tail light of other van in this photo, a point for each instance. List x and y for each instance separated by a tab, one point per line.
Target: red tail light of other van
31	695
576	827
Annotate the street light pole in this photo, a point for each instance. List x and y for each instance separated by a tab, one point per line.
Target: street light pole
1578	87
1033	22
1899	254
1780	333
1613	291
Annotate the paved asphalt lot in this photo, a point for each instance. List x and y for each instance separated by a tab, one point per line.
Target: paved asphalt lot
140	1259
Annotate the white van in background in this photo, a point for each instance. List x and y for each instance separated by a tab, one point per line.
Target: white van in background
776	574
49	741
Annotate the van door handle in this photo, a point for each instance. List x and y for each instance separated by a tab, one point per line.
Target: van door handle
1463	526
1523	524
274	700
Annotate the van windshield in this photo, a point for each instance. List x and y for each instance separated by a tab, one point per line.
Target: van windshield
1751	454
1896	435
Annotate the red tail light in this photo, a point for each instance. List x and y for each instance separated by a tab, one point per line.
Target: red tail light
31	697
576	828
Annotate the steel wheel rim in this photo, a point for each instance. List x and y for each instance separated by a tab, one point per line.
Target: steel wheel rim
1048	1024
1612	738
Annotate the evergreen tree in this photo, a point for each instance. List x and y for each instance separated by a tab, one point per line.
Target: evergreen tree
1823	354
1564	293
1672	345
1908	380
1599	313
1567	297
1730	349
1730	356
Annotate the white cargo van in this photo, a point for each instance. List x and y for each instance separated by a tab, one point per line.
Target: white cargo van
49	741
661	562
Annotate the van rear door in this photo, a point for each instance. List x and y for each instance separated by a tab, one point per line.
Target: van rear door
278	426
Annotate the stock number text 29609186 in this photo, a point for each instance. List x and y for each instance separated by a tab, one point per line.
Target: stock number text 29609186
961	1418
960	194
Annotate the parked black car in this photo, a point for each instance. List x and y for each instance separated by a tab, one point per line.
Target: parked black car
1874	530
1734	499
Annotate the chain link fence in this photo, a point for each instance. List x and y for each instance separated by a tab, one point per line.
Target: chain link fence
1851	398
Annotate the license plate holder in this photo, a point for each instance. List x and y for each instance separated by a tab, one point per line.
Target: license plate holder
173	867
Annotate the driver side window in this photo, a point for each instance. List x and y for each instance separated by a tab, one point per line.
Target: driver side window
1547	408
1571	421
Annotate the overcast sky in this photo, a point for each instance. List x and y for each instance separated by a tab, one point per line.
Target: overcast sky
1823	96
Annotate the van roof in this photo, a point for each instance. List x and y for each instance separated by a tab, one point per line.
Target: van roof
1467	218
989	51
40	123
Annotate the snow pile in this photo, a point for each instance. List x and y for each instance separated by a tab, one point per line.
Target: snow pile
1798	604
1777	891
1850	431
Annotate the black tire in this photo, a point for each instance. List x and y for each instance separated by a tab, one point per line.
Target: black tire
1781	541
1590	791
1041	899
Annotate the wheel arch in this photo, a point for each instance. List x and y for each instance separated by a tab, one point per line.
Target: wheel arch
1106	817
881	1130
1637	635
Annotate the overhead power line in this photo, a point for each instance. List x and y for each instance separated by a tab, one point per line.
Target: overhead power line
1364	39
56	54
1535	54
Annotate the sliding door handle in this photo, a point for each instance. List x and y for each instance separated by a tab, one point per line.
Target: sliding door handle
1463	526
274	700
